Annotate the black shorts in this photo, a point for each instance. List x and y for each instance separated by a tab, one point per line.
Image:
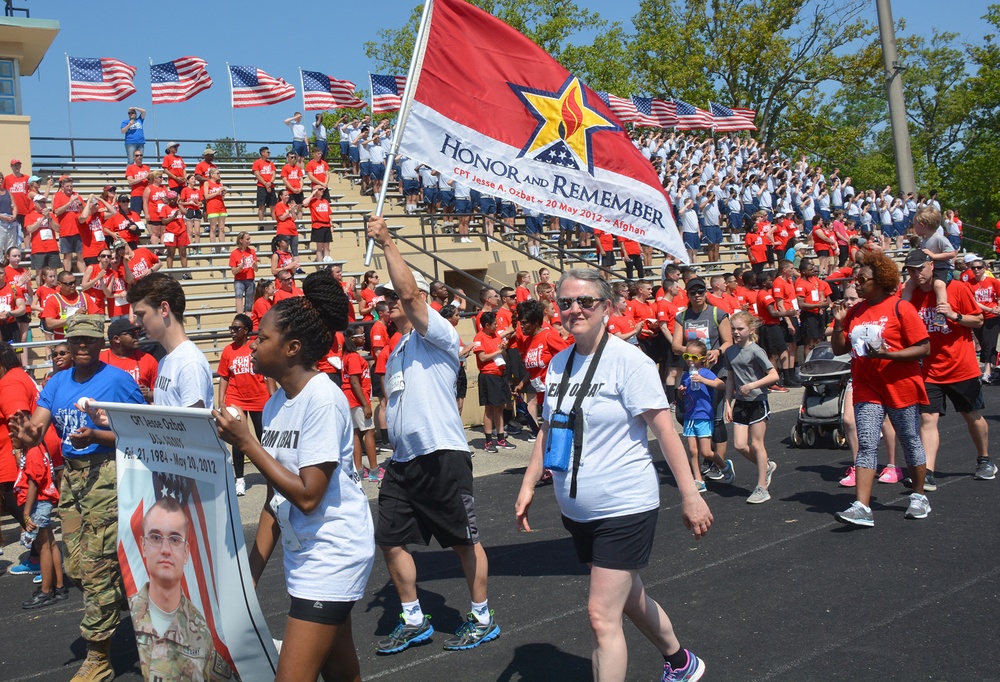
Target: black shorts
771	339
323	612
70	244
608	260
50	259
429	496
811	325
619	542
296	198
656	347
265	197
791	335
494	391
747	412
377	391
461	383
193	214
10	332
965	396
321	235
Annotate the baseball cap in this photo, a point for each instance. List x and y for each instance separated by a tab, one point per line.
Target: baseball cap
971	258
65	177
172	145
91	326
696	283
118	244
34	178
916	258
14	162
121	326
421	284
110	188
208	150
171	194
39	197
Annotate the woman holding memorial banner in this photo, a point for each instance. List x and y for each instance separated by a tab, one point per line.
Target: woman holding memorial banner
306	453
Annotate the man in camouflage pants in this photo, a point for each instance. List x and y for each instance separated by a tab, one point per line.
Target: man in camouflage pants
88	503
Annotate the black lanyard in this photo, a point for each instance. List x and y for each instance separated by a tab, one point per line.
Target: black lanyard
577	418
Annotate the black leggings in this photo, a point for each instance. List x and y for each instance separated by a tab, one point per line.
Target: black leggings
987	337
634	264
238	456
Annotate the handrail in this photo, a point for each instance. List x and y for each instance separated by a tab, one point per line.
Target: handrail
155	141
438	259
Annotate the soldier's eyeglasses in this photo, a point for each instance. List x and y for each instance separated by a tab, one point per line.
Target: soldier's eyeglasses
156	540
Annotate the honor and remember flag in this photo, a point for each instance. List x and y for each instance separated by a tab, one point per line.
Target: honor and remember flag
99	80
253	87
725	119
179	80
492	110
321	92
387	92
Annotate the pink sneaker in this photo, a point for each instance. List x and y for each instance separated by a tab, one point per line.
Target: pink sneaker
891	474
848	480
381	473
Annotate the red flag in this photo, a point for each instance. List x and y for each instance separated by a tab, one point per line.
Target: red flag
100	80
493	110
253	87
323	92
179	80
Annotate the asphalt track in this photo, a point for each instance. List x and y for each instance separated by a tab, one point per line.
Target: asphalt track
778	591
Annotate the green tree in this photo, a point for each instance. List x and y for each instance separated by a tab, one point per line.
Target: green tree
225	149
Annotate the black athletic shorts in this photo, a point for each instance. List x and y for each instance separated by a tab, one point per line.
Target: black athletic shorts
747	412
377	391
618	542
771	339
429	496
494	390
461	383
321	235
324	612
265	197
791	335
965	396
296	198
811	325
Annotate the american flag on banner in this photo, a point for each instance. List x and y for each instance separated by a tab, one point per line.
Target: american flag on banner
253	87
387	93
690	117
625	110
663	114
326	92
725	119
179	80
100	80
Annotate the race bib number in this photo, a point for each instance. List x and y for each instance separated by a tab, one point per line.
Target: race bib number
45	234
169	237
814	295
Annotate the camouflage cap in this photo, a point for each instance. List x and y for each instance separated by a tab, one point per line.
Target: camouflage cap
91	326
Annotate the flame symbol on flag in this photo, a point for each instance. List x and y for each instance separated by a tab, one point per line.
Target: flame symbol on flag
572	116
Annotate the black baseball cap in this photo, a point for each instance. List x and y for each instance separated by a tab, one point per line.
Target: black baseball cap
121	326
916	258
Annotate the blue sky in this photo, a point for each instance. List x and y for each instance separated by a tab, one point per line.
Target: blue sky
260	34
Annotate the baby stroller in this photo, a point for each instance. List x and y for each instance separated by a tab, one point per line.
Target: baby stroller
824	377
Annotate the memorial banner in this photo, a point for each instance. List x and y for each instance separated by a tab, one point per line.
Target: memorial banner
182	552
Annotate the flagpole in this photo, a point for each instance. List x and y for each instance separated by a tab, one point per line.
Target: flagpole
69	99
152	107
232	105
416	62
302	85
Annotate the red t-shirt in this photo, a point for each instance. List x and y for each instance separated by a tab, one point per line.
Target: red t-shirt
292	175
666	312
370	298
644	312
176	165
953	354
744	296
486	343
203	167
784	291
783	234
260	308
823	239
118	224
893	383
810	291
379	336
117	304
265	169
726	302
11	274
59	308
68	225
765	298
630	246
987	292
383	357
522	294
505	319
92	237
355	365
326	364
319	169
216	204
190	195
138	172
38	468
42	294
19	393
246	390
140	365
538	351
280	294
620	324
352	314
18	188
319	212
246	260
157	200
606	240
94	296
757	244
286	226
142	262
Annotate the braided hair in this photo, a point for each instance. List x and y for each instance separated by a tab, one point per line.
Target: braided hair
312	319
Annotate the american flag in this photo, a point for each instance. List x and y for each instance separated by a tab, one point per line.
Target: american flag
326	92
726	120
253	87
625	110
745	113
179	80
387	93
99	80
690	117
663	114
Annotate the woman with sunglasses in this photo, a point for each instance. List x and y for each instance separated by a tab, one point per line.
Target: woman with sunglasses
313	496
241	387
886	338
243	264
610	505
95	279
368	296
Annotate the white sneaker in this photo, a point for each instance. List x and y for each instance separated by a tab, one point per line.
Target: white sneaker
465	240
241	487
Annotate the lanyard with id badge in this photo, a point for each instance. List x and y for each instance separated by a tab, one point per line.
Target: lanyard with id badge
565	434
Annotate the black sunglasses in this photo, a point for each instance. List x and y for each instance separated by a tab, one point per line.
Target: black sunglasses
585	302
390	295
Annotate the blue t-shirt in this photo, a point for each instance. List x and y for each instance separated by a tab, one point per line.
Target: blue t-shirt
108	384
135	134
698	397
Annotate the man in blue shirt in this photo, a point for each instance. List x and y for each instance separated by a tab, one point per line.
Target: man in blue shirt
135	138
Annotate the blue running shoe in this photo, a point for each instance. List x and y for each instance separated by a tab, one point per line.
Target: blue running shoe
472	633
404	635
25	568
694	670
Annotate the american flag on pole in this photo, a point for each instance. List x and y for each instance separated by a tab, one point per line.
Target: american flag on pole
726	120
326	92
626	111
690	117
100	80
179	80
745	113
491	107
387	93
253	87
662	113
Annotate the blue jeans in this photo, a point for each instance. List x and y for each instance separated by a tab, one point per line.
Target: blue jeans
131	149
244	289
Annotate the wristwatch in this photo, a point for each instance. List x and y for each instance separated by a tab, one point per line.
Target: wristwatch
958	317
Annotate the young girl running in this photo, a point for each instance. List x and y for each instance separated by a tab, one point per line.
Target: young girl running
696	389
750	373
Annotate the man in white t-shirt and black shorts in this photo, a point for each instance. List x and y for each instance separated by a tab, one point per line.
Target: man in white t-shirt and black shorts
427	490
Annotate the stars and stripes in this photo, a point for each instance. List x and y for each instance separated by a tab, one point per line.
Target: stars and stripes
726	120
326	92
690	117
387	92
662	113
626	111
100	80
253	87
179	80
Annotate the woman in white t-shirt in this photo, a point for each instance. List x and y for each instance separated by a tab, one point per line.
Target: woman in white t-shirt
315	500
609	505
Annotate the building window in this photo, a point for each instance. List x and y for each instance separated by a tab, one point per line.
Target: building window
8	87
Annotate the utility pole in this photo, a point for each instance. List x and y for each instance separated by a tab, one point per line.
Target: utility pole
897	106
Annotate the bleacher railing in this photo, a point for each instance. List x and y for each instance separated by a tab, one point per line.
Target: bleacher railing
46	148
